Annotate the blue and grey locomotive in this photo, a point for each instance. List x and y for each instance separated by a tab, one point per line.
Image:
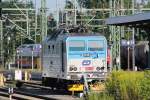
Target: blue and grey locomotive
66	57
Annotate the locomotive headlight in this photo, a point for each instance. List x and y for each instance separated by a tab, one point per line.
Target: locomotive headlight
71	69
98	68
68	77
102	68
75	68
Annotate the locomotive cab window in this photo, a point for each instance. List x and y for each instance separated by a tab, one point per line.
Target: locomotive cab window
76	45
95	45
51	48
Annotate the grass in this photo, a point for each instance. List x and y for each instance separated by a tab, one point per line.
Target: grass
100	96
125	85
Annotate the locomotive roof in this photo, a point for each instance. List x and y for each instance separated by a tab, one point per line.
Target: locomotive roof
62	34
84	34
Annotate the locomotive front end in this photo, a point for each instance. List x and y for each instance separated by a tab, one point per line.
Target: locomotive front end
86	56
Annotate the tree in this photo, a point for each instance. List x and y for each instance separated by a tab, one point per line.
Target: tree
68	5
11	33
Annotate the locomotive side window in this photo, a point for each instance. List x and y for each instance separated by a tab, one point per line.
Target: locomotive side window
95	45
49	47
76	45
53	47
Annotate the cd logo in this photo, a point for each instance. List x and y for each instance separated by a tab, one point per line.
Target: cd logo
86	62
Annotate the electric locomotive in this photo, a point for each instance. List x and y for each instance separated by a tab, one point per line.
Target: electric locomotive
66	57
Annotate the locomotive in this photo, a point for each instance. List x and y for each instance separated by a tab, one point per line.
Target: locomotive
67	56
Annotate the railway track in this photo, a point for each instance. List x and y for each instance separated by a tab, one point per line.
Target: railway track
49	89
33	84
23	95
37	84
36	91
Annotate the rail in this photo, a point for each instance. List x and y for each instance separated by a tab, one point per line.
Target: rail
20	95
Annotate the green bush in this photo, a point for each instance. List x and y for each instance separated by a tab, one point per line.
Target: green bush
100	96
145	86
125	85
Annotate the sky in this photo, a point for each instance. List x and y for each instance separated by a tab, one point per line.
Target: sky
51	4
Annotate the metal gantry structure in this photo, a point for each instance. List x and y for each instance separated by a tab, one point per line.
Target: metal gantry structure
1	37
115	8
22	18
43	19
110	8
77	14
26	15
1	43
118	8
